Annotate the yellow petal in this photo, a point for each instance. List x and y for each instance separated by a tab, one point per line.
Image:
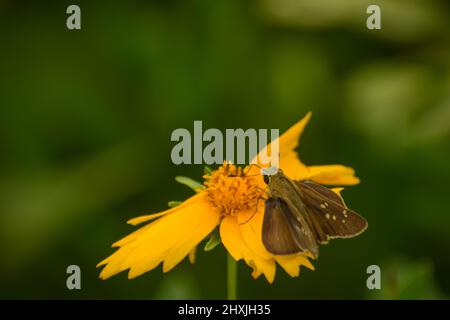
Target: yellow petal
337	190
132	236
291	263
250	223
296	170
291	138
233	241
168	239
288	142
289	160
184	247
149	217
293	167
332	174
252	234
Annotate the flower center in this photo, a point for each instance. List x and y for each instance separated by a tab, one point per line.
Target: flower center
231	191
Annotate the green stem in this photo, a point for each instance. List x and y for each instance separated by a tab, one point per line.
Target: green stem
231	278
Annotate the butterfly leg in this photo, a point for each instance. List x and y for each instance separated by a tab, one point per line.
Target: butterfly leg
256	209
263	190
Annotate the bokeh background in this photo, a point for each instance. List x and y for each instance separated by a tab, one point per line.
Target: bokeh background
86	118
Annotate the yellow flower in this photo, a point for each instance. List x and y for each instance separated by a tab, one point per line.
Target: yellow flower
230	201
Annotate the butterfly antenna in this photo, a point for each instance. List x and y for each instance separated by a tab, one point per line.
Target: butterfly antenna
244	174
248	169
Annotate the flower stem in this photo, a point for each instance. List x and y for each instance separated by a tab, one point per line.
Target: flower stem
231	278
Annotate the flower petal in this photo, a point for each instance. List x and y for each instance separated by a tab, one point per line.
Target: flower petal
288	142
168	239
291	138
291	263
250	223
337	190
185	247
231	238
233	241
296	170
148	217
333	175
252	234
132	236
293	167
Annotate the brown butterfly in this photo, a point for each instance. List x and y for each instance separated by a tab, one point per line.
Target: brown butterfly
301	215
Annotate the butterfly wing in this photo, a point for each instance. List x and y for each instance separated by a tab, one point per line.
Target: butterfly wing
329	216
282	233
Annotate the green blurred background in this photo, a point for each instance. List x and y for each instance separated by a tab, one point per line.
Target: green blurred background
86	118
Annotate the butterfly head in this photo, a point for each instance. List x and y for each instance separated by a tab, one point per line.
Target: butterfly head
271	174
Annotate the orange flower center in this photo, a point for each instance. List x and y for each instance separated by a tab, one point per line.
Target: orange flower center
230	190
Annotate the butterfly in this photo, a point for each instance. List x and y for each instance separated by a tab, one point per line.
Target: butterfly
301	215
